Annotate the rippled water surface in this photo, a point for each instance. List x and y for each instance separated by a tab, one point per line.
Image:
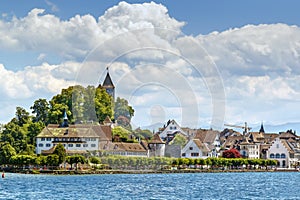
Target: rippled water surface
153	186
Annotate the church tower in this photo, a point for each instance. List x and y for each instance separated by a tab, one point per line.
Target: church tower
262	130
108	85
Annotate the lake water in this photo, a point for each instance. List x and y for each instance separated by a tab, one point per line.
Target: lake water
281	185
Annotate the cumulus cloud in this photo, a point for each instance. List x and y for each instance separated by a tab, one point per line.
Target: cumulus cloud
153	63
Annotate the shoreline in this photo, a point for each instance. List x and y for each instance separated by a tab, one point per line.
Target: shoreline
91	172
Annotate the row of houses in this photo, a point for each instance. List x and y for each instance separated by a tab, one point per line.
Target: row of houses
200	143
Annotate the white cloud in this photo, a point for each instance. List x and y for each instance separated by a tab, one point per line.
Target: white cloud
146	51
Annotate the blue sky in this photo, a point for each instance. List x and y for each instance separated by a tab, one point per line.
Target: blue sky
253	46
202	17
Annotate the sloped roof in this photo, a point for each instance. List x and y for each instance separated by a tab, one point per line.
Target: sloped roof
128	147
51	150
286	135
270	137
144	144
201	145
232	141
287	145
77	130
107	120
256	136
156	139
206	136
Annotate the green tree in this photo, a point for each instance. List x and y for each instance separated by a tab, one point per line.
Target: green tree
61	152
6	152
22	116
33	129
53	160
179	140
41	109
23	160
75	159
121	133
15	134
95	160
41	160
122	109
103	104
143	134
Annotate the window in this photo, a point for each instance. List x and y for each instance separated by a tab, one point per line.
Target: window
191	148
272	155
56	139
78	145
70	145
277	155
48	139
48	145
282	155
85	145
93	145
87	139
183	154
41	145
42	139
194	154
277	146
93	139
174	127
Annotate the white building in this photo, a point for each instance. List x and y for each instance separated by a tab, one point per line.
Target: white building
195	149
249	150
79	137
156	147
169	131
282	151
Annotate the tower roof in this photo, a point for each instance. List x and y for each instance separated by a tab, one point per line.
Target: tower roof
262	130
107	81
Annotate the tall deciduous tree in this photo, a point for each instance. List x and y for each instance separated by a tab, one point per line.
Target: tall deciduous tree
61	152
6	152
41	109
22	116
103	104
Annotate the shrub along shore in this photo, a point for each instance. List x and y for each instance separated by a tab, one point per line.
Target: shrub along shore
78	164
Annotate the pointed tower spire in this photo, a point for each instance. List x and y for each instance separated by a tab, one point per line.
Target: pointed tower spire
108	85
262	130
65	122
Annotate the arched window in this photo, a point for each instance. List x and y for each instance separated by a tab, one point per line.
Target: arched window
282	155
277	155
272	155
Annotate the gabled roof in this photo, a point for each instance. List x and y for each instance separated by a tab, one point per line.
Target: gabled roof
287	135
256	136
107	120
156	140
206	136
201	145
